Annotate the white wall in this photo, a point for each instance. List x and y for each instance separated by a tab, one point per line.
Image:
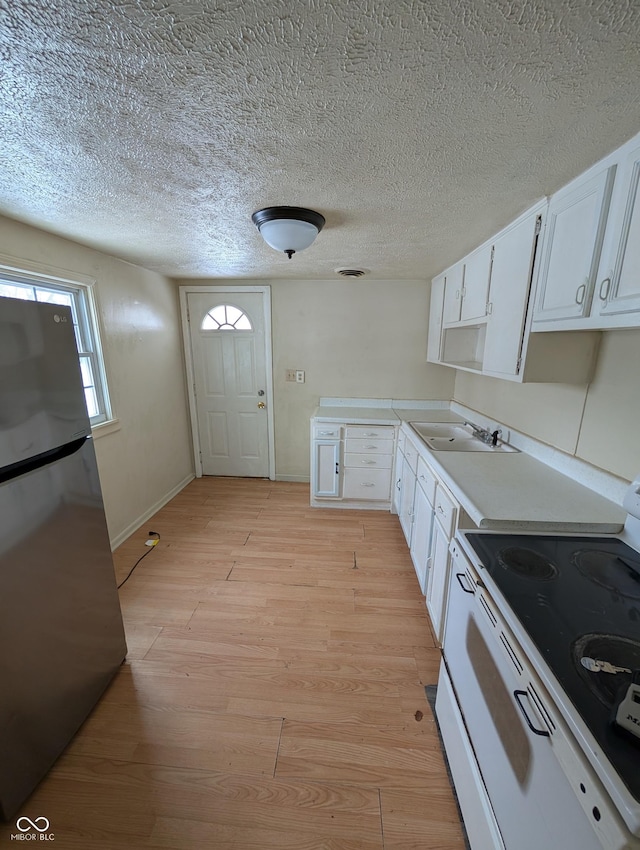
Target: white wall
353	338
149	456
598	423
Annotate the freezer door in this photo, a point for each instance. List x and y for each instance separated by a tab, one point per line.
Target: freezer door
61	632
42	404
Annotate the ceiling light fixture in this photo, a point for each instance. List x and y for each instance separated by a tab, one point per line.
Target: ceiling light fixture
288	229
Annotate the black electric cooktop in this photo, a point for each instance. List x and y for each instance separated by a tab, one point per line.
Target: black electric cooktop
577	597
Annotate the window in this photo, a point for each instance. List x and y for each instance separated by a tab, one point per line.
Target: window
76	296
225	317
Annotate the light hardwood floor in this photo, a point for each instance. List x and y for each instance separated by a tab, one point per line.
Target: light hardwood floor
273	695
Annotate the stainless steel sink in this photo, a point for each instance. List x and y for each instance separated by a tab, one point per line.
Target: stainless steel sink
451	437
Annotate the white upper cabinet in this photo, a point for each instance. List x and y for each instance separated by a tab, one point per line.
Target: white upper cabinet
434	340
475	292
467	288
576	222
514	251
499	342
618	289
453	290
590	272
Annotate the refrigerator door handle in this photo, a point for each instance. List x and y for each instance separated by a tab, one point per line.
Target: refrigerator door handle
15	470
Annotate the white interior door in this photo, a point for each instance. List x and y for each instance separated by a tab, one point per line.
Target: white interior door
230	345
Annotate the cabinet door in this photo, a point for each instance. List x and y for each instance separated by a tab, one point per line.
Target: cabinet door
509	293
434	340
396	495
421	537
619	290
407	486
325	469
571	249
454	282
438	579
477	273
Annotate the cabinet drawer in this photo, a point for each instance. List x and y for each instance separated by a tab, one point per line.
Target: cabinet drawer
327	432
369	446
427	480
446	510
368	432
368	461
370	484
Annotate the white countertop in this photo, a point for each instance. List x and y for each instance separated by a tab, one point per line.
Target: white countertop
513	491
381	415
357	415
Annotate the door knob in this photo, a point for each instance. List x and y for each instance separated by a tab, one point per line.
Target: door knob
261	405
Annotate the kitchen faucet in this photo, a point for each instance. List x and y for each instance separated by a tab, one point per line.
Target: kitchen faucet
488	437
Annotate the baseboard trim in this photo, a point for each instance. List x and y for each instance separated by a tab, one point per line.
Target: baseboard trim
300	479
135	525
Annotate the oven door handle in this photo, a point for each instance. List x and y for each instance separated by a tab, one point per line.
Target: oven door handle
460	576
543	732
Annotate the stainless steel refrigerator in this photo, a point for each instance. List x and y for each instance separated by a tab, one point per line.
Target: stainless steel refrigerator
61	632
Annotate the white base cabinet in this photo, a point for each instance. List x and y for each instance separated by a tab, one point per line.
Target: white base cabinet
351	465
424	498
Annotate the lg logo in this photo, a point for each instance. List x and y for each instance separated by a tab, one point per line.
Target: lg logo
58	318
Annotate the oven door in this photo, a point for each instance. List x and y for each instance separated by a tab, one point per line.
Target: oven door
510	728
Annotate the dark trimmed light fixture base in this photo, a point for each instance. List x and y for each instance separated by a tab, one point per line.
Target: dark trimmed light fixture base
288	229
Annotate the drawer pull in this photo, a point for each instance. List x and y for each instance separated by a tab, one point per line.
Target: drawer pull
370	434
367	484
371	447
543	732
441	509
369	462
460	576
326	433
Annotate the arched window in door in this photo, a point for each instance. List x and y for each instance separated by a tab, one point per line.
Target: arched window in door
226	317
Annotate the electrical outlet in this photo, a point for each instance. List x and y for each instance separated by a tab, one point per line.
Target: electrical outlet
300	376
290	375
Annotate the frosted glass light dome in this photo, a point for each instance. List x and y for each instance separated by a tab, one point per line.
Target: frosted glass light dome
288	229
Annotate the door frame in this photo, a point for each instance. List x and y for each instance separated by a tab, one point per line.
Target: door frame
188	359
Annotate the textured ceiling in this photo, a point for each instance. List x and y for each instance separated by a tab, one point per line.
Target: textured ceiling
153	129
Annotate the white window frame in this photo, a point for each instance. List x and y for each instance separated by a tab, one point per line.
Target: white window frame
28	274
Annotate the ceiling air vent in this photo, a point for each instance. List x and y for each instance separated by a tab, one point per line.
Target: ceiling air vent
350	272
